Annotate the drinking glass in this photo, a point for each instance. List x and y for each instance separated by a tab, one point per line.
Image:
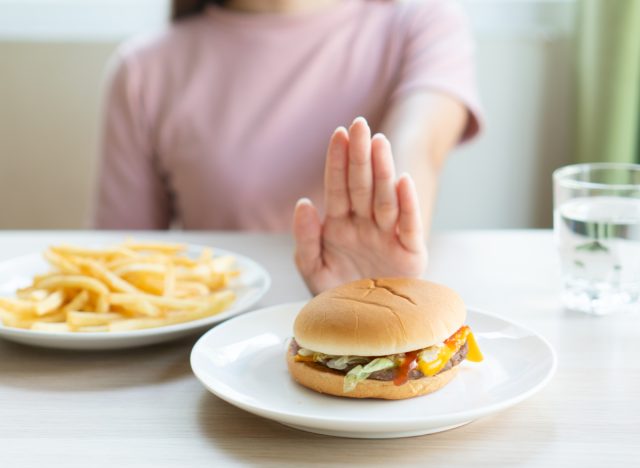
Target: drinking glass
597	229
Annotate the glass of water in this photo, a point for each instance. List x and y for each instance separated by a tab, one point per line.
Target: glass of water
597	229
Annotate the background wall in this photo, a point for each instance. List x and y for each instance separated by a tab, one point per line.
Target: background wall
51	74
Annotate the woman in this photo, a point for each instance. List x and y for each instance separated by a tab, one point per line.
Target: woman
221	122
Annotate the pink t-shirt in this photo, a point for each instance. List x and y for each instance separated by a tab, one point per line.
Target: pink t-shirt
222	121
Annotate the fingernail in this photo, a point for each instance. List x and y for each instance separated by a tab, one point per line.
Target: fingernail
303	201
380	136
406	175
339	129
359	119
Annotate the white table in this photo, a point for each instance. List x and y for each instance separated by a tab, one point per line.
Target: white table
144	408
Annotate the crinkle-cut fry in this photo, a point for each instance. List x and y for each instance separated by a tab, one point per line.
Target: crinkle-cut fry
164	247
113	281
51	303
60	262
73	281
77	318
137	324
50	327
78	302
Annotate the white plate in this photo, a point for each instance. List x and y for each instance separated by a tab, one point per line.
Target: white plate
250	286
243	362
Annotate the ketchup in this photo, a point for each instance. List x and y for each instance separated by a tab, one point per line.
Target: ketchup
458	338
408	363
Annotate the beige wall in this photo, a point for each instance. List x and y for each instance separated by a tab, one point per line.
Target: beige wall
503	179
49	108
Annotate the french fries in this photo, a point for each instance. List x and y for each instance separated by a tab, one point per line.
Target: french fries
130	286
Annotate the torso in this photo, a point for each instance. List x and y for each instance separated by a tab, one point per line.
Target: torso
241	107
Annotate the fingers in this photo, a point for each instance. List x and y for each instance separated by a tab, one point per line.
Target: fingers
336	192
360	179
307	232
409	222
385	200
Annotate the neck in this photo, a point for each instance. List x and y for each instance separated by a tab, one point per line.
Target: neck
279	6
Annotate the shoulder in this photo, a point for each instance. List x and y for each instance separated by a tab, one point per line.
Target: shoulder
415	16
433	10
163	47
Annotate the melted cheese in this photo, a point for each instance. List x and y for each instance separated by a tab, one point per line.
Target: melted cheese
451	346
300	358
474	354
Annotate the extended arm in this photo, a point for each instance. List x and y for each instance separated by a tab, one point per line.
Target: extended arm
423	128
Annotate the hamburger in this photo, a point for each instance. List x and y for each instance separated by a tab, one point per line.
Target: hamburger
389	338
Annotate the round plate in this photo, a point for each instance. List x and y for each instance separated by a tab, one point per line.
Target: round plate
243	362
252	283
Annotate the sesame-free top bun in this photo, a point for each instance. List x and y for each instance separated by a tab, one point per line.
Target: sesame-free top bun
379	317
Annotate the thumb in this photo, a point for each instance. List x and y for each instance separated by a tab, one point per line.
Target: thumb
307	231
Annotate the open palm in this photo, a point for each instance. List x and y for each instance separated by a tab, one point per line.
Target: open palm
372	225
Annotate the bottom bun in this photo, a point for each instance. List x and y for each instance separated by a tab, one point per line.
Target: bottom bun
324	380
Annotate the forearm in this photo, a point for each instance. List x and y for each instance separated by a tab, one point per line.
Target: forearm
423	129
426	177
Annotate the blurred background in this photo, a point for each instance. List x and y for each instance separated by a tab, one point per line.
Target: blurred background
531	57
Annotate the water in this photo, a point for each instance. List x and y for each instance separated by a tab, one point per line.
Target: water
599	242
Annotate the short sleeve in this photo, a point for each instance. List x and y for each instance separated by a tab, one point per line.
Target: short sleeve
439	55
131	191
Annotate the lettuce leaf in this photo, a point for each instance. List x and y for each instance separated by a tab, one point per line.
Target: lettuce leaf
306	352
342	362
360	373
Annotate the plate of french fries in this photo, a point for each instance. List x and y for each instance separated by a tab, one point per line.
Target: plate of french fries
123	295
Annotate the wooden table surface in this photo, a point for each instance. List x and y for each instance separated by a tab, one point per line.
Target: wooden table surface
144	408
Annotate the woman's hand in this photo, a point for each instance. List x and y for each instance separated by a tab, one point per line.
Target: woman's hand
372	227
